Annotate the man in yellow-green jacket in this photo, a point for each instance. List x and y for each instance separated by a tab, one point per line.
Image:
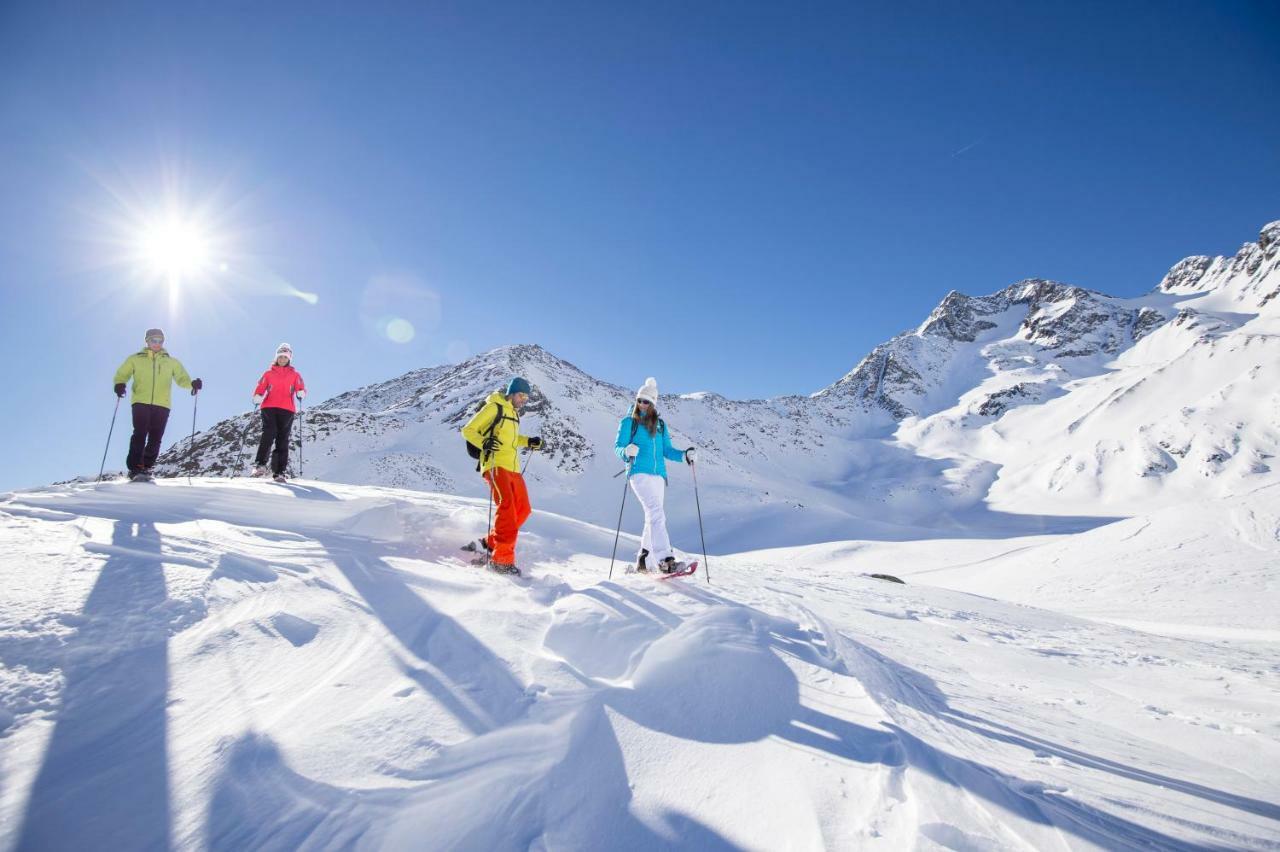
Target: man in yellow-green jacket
153	370
495	432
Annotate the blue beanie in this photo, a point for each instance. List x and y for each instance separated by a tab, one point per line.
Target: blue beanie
518	385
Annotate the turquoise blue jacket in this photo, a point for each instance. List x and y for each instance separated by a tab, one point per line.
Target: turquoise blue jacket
654	449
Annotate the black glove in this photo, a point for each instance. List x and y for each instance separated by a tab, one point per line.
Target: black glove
535	443
491	444
196	385
121	387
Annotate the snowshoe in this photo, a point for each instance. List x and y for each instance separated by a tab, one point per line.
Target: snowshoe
259	471
503	568
140	476
479	550
280	477
681	570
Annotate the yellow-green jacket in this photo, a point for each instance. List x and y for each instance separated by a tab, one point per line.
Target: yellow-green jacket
152	373
507	432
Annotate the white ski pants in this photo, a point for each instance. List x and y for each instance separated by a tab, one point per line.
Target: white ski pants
651	490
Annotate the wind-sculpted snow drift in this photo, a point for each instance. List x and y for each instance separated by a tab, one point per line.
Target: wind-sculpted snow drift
232	664
1041	408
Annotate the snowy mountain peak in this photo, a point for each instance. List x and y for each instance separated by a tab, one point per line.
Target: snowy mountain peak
961	317
1248	280
1270	237
918	372
1186	274
1061	316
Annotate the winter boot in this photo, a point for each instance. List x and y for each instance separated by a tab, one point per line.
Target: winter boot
670	565
503	567
641	567
259	470
280	477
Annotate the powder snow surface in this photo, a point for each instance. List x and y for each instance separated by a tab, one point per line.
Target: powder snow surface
230	664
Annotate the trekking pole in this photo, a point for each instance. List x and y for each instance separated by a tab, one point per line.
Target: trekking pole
103	466
244	433
302	435
706	569
618	533
191	446
491	482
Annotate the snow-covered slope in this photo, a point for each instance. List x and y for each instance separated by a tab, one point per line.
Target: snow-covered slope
1036	409
232	664
770	471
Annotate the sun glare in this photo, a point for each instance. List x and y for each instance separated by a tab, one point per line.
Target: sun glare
175	249
191	245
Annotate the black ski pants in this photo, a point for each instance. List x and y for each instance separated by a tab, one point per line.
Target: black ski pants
276	425
148	431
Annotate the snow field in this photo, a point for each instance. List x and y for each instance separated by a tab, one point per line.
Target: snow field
235	664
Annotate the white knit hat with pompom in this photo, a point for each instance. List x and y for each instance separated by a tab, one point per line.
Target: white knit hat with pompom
649	390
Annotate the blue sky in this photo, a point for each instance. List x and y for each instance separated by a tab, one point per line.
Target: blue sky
729	196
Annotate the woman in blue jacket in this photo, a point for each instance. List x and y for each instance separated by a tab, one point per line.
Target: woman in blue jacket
644	443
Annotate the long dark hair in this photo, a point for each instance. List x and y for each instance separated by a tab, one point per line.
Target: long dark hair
648	418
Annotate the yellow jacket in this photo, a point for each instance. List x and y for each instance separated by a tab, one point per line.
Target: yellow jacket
507	432
153	373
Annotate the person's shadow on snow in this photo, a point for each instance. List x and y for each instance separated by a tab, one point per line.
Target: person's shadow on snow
453	666
104	783
529	775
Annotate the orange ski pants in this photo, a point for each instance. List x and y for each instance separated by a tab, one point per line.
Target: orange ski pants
511	499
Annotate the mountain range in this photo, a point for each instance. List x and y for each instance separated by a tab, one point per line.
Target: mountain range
1043	407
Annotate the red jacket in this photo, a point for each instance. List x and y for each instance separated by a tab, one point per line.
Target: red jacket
277	387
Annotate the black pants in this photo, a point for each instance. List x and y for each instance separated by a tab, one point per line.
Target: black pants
148	430
276	423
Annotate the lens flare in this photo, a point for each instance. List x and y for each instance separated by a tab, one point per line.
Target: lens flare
400	308
400	330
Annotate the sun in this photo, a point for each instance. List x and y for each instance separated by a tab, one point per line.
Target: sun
175	241
175	248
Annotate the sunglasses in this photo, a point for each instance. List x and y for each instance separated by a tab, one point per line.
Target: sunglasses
643	402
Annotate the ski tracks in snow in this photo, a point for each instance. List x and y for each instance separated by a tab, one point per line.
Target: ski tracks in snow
243	666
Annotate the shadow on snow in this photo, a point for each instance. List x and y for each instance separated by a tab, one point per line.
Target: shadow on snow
104	782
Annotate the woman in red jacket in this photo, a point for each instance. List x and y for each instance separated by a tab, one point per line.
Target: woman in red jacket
275	392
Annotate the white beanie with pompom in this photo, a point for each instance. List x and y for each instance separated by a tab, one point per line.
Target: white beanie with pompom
649	390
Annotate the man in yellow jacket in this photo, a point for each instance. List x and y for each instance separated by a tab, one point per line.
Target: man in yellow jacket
153	370
495	432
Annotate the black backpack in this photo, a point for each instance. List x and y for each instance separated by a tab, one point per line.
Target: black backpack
472	449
